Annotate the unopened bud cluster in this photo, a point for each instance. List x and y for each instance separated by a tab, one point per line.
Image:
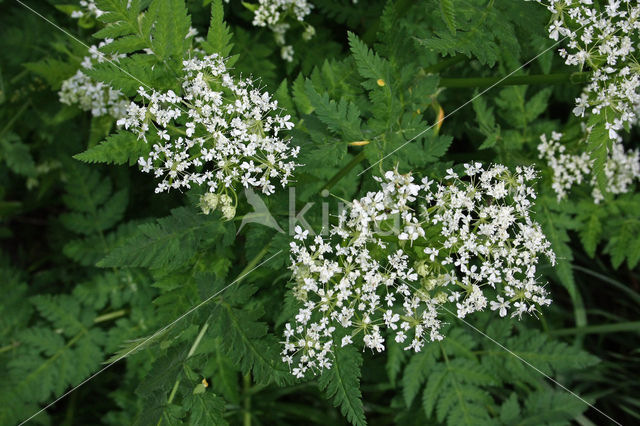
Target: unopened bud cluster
399	254
210	202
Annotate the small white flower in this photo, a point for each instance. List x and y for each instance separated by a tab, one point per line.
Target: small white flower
300	234
500	305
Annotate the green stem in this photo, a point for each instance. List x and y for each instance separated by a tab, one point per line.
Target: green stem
344	171
13	119
198	339
110	316
7	348
194	346
253	262
247	400
446	63
631	326
560	78
18	76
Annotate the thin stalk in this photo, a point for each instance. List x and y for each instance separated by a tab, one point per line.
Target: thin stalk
9	347
110	316
344	171
254	261
246	418
446	63
516	80
631	326
194	346
620	286
17	115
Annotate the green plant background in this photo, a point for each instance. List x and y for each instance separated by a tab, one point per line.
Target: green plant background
93	262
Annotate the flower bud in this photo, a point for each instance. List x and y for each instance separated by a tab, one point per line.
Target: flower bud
209	202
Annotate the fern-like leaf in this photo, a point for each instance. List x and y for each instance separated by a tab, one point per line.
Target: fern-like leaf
247	341
169	242
342	118
119	148
342	383
370	65
219	36
448	11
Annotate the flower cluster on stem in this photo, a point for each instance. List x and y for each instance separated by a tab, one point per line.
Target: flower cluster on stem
621	169
220	131
398	254
275	15
92	95
87	8
603	40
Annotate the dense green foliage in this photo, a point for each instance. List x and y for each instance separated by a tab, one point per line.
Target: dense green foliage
95	267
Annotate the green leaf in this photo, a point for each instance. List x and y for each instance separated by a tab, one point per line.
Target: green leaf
284	99
63	311
396	357
342	118
598	144
537	104
416	372
100	219
555	224
482	31
510	410
93	207
300	97
369	64
246	339
551	407
169	242
130	73
119	148
46	363
205	409
448	14
54	71
170	29
219	35
17	155
342	384
454	389
591	229
486	122
156	386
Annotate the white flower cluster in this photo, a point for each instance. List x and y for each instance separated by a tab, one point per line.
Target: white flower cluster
92	95
87	8
219	131
400	253
274	13
621	169
604	40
